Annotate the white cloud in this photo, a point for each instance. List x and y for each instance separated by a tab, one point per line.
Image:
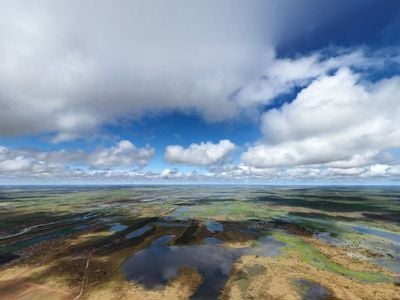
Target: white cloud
32	166
68	69
21	163
203	154
281	75
336	118
35	163
373	173
123	154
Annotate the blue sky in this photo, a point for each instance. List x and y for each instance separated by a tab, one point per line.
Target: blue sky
187	91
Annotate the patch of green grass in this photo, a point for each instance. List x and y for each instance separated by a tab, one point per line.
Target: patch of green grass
236	210
315	258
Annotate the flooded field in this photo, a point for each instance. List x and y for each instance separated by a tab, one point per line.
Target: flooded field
155	266
199	242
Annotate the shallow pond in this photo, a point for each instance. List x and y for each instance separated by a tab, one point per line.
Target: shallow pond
155	266
116	227
171	224
392	264
214	226
395	237
266	246
138	232
311	290
177	214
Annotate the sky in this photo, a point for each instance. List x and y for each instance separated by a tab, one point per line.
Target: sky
184	91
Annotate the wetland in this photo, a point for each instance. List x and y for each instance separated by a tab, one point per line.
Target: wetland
199	242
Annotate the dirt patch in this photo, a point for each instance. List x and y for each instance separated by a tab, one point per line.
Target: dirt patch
238	245
182	287
22	287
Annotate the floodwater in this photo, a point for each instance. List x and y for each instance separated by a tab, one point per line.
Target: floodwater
391	259
392	263
395	237
214	226
177	213
311	290
388	244
116	227
155	266
138	232
327	237
266	246
171	224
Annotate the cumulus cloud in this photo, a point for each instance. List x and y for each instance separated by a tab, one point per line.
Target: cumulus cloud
123	154
203	154
30	166
336	118
26	163
33	163
68	68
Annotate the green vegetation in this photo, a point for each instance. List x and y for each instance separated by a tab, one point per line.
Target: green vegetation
315	258
232	210
315	224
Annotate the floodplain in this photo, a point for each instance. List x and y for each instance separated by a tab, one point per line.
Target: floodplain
199	242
